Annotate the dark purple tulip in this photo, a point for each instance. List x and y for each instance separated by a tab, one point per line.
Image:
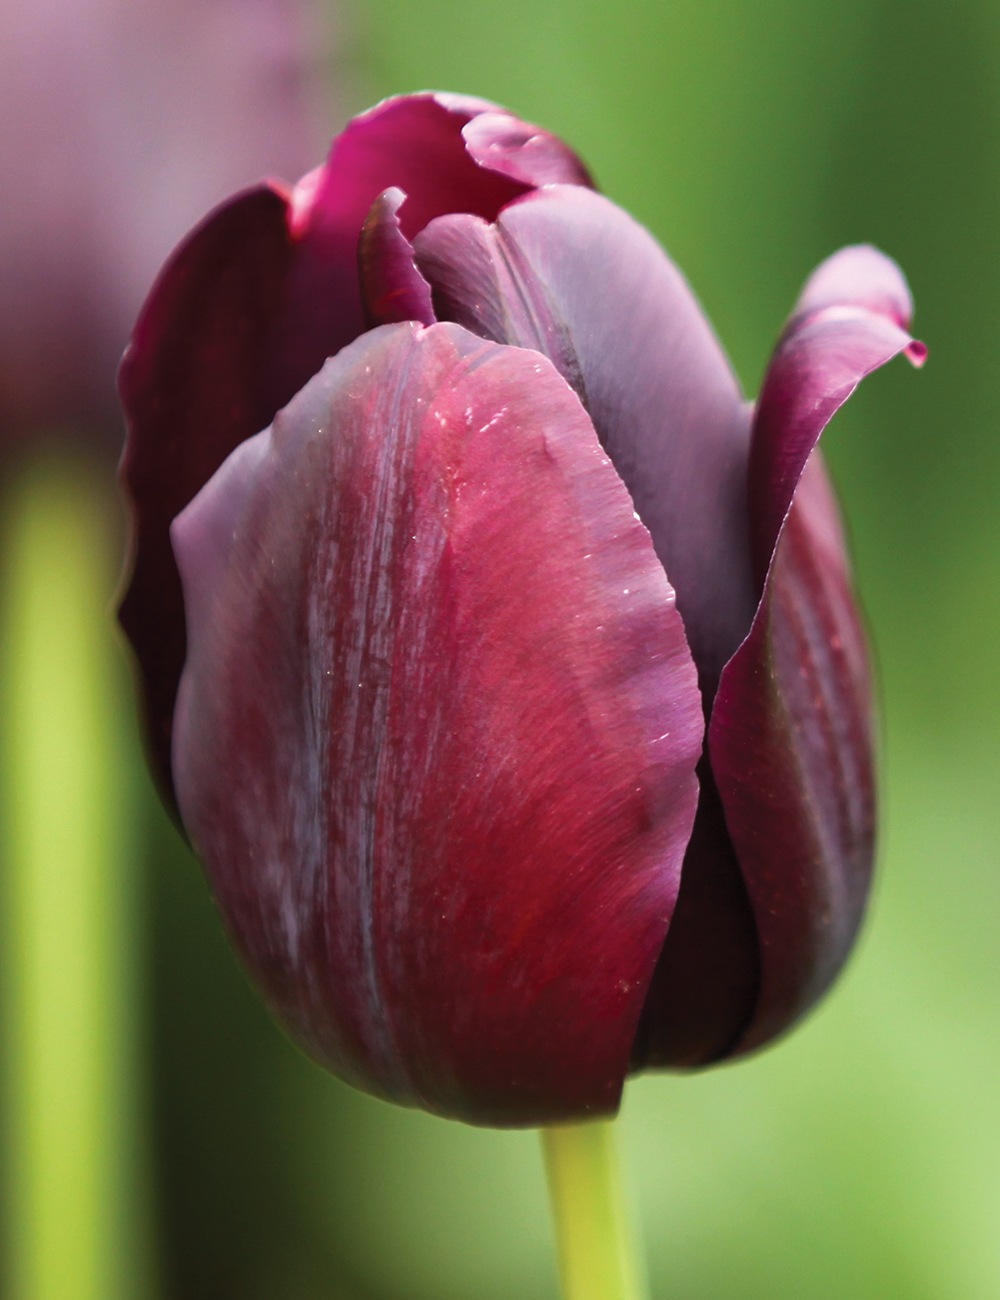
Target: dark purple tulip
435	721
120	122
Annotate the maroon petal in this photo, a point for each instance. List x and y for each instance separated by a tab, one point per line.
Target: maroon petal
189	383
416	143
790	737
568	273
392	289
438	726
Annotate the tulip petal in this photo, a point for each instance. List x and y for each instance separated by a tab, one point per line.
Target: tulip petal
418	144
568	273
392	289
190	386
790	736
438	726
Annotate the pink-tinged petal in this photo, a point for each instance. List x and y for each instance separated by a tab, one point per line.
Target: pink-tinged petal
568	273
392	289
790	736
437	733
190	386
418	144
791	748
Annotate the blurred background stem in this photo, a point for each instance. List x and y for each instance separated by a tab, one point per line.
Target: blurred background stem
596	1251
66	908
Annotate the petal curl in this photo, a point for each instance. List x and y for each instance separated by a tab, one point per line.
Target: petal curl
418	144
567	272
790	737
190	384
850	319
438	726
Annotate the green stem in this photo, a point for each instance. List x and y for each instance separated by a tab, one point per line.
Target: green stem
64	907
596	1256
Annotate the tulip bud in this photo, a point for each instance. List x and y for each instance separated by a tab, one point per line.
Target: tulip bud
502	661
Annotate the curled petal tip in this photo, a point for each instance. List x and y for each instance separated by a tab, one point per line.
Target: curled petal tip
859	275
525	153
916	353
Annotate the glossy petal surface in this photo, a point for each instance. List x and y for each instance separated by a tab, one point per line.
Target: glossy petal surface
567	272
417	144
790	735
437	731
190	383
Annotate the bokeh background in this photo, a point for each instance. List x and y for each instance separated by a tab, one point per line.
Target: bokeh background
861	1157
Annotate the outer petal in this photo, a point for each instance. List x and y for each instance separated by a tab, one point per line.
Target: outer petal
790	736
567	272
828	347
418	144
190	383
437	730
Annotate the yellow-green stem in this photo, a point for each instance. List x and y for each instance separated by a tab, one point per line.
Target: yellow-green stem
65	982
597	1259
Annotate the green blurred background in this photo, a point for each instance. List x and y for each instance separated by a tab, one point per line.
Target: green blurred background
860	1158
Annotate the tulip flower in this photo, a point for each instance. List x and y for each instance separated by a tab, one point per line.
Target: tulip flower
502	660
122	120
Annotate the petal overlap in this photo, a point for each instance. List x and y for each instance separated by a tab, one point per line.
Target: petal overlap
190	383
438	726
568	273
418	144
